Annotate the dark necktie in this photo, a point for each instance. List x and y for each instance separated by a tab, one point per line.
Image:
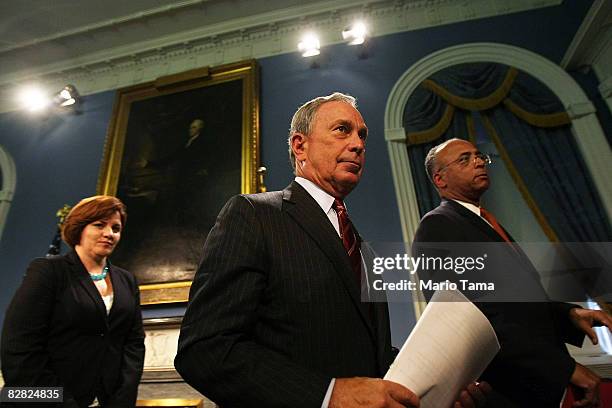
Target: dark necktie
493	221
349	239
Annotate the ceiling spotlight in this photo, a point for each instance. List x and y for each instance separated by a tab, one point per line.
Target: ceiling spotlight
34	99
309	46
67	96
355	34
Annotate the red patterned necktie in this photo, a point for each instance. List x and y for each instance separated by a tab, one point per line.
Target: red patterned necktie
349	239
493	221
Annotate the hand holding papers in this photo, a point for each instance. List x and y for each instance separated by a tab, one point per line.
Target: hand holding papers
450	346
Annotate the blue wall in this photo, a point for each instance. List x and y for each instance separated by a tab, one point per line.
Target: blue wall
58	159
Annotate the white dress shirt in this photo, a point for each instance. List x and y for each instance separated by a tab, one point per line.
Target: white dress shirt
326	202
474	209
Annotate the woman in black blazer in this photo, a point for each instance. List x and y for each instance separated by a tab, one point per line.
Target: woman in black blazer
75	320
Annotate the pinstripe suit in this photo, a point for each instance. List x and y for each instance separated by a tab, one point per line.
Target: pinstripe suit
274	309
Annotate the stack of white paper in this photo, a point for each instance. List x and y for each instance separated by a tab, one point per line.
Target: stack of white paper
450	346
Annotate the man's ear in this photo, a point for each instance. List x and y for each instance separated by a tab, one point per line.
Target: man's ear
439	181
299	144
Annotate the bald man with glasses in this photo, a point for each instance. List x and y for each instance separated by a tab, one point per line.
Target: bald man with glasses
533	368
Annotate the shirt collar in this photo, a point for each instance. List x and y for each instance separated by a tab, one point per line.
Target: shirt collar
469	206
324	200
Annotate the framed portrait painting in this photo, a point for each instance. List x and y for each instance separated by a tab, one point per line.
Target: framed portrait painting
177	149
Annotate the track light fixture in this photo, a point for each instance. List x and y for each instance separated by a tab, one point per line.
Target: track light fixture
66	97
356	34
310	45
35	99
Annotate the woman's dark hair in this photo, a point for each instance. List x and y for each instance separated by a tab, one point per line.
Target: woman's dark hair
88	210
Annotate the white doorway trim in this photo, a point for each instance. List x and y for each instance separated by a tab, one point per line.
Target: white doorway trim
9	182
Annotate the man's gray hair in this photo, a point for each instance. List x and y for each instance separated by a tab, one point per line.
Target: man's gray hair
431	165
304	117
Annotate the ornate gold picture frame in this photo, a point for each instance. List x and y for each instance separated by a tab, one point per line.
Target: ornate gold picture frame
177	149
171	403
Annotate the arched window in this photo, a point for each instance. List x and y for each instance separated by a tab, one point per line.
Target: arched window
587	132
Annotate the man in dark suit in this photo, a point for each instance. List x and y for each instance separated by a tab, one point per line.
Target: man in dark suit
275	317
533	367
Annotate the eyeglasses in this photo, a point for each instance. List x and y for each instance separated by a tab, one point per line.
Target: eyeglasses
468	158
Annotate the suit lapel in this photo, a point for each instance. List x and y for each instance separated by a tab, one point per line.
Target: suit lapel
82	276
310	217
482	225
473	219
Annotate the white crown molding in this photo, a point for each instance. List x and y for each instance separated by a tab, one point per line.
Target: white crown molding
262	35
115	22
